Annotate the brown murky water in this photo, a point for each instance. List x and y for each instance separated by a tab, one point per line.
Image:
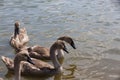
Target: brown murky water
94	25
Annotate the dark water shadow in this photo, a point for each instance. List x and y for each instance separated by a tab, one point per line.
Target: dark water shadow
116	4
58	76
9	74
118	77
113	50
1	3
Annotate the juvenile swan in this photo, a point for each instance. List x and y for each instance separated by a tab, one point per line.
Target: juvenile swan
19	38
39	52
40	68
18	64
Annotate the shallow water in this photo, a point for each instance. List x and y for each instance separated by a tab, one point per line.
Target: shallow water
93	24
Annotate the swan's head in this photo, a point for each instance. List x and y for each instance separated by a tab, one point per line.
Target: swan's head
23	56
17	24
68	40
59	44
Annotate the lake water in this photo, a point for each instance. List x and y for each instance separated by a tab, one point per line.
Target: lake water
93	24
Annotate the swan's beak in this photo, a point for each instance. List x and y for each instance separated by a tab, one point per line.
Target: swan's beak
30	60
65	49
73	45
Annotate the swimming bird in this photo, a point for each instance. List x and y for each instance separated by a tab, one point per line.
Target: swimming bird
40	52
19	38
18	64
40	68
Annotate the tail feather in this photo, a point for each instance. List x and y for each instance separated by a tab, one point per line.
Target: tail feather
8	62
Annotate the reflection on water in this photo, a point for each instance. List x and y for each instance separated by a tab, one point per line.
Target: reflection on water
58	76
71	70
94	26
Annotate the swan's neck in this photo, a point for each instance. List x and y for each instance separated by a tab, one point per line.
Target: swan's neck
54	58
16	31
17	69
59	53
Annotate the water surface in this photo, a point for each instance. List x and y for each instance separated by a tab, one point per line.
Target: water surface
93	24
